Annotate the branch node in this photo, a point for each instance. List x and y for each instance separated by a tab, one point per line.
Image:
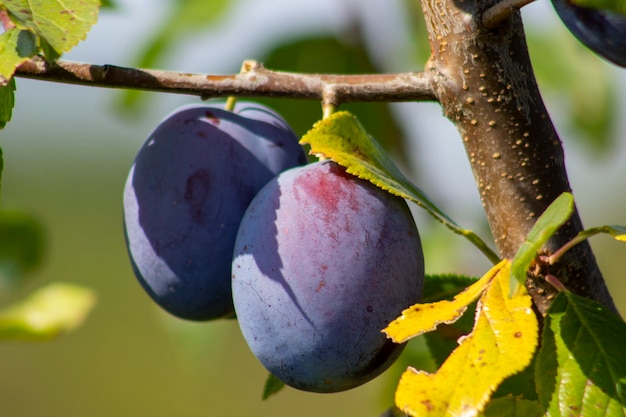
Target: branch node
496	14
250	65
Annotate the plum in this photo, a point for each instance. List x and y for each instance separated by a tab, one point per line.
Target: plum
186	193
602	31
323	262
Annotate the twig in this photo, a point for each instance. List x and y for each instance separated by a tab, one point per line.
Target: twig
255	80
494	15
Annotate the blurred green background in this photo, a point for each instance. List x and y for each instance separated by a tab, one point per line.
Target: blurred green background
68	149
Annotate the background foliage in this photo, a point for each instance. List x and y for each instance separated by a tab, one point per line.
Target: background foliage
66	166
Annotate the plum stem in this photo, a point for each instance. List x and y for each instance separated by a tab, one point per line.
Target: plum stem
328	109
231	101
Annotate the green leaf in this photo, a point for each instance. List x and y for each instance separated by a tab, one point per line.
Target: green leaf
272	386
61	24
21	246
547	224
511	406
580	367
7	102
50	311
520	385
343	139
16	47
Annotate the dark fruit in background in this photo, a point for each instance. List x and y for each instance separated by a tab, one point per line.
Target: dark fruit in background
186	193
602	31
323	262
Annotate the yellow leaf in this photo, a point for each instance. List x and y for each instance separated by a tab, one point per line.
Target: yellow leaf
621	238
502	343
54	309
422	318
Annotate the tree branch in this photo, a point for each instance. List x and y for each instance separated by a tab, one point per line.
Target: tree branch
500	11
486	86
254	80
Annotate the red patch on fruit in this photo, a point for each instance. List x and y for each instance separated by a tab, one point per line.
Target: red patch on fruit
327	188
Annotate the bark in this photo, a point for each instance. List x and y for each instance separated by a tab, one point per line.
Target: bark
485	83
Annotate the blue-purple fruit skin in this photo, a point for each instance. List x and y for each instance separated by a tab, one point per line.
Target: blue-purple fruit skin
603	31
186	193
323	262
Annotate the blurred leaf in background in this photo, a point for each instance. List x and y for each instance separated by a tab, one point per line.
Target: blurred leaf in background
50	311
186	18
581	84
418	33
7	101
109	4
21	247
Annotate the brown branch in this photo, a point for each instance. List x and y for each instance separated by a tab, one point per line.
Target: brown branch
500	11
254	80
486	86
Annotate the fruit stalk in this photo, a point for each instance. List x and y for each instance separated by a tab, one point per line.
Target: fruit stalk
485	83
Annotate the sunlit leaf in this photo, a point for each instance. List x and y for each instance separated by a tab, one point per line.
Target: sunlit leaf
61	24
502	343
16	47
547	224
343	139
581	368
52	310
272	386
422	318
